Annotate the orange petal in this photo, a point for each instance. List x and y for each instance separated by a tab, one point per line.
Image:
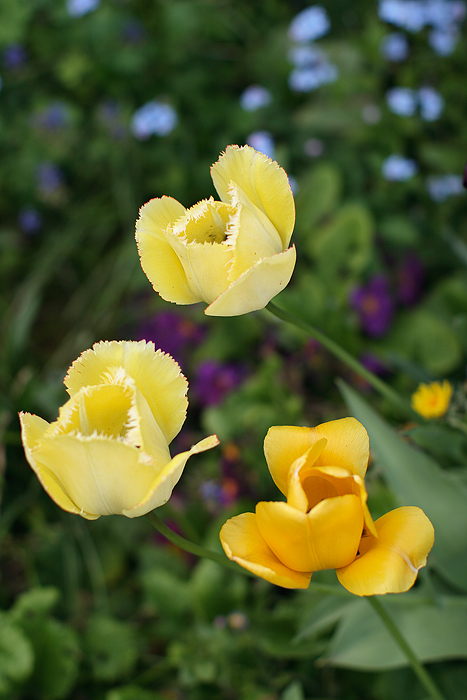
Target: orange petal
158	259
322	539
390	562
243	543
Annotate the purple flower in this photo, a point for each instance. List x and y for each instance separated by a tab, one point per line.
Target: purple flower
29	220
110	115
55	116
172	333
215	380
14	56
133	31
374	305
410	276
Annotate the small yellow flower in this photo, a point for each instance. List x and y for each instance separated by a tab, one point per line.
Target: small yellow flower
232	254
432	400
108	451
325	522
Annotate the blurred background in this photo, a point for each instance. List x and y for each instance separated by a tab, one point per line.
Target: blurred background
105	104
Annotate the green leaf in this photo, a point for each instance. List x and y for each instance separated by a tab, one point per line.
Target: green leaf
419	481
434	632
111	648
294	691
132	692
318	195
16	655
38	602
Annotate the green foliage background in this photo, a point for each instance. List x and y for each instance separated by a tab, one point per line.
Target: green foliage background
106	610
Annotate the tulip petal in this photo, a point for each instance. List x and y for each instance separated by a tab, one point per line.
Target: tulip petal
322	539
297	497
263	181
251	234
256	287
243	543
103	475
390	562
205	266
162	486
32	430
156	374
158	259
347	446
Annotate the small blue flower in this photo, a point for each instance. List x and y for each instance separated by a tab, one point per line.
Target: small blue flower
255	97
14	56
154	117
444	41
402	101
312	76
398	168
395	47
262	141
310	24
49	177
78	8
441	187
29	220
304	56
431	104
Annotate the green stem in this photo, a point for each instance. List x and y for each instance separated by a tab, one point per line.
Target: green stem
344	356
417	667
191	547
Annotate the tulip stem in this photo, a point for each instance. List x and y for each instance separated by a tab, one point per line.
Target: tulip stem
419	670
386	391
191	547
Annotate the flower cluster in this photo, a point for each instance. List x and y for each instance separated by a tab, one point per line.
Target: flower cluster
312	67
404	102
325	522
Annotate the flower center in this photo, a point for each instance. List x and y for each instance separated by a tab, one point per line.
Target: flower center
205	222
317	489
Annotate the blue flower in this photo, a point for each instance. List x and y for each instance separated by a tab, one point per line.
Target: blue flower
440	187
395	47
78	8
444	41
262	141
402	101
398	168
314	69
49	177
310	24
431	104
153	118
14	56
29	220
255	97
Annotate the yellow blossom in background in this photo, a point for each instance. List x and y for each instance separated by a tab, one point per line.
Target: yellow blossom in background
432	400
325	522
232	254
108	451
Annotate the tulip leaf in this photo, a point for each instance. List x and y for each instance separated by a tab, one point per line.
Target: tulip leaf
418	480
434	632
16	655
318	195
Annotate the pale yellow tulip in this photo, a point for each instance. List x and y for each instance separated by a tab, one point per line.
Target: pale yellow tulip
108	451
325	522
232	254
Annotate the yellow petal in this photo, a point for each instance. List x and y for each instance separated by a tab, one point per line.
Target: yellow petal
324	538
296	495
251	234
390	562
263	181
347	446
99	475
243	543
158	259
161	488
156	375
256	287
205	265
32	430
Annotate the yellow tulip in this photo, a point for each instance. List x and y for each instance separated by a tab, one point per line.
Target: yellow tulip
108	450
232	254
325	522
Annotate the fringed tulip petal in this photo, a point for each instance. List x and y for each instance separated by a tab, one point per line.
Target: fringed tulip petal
390	562
262	180
156	374
243	543
256	287
158	259
205	266
322	539
161	488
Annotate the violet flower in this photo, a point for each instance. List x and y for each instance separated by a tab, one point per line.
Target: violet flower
374	305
